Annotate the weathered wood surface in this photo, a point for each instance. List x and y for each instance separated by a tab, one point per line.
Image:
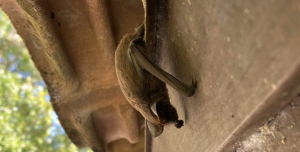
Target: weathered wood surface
72	44
246	57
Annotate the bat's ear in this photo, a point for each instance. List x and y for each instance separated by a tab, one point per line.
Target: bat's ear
155	130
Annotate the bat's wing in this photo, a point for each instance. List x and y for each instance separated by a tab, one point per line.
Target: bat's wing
138	57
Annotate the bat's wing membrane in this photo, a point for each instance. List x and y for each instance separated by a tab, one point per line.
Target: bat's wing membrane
155	130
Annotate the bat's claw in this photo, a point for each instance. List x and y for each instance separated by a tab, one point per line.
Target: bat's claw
194	84
192	88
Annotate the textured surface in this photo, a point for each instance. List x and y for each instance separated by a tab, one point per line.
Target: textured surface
245	55
72	44
280	133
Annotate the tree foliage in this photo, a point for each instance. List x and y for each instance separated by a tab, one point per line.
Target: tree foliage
25	112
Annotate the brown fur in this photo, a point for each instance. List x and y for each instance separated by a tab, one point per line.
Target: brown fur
141	92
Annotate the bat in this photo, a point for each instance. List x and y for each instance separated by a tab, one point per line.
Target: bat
143	83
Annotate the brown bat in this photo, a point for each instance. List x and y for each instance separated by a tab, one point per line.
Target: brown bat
144	83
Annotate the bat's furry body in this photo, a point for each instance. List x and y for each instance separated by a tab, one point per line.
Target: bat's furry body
143	82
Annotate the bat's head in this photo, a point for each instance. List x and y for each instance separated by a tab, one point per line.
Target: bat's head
167	114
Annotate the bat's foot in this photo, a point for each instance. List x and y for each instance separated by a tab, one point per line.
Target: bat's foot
179	124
